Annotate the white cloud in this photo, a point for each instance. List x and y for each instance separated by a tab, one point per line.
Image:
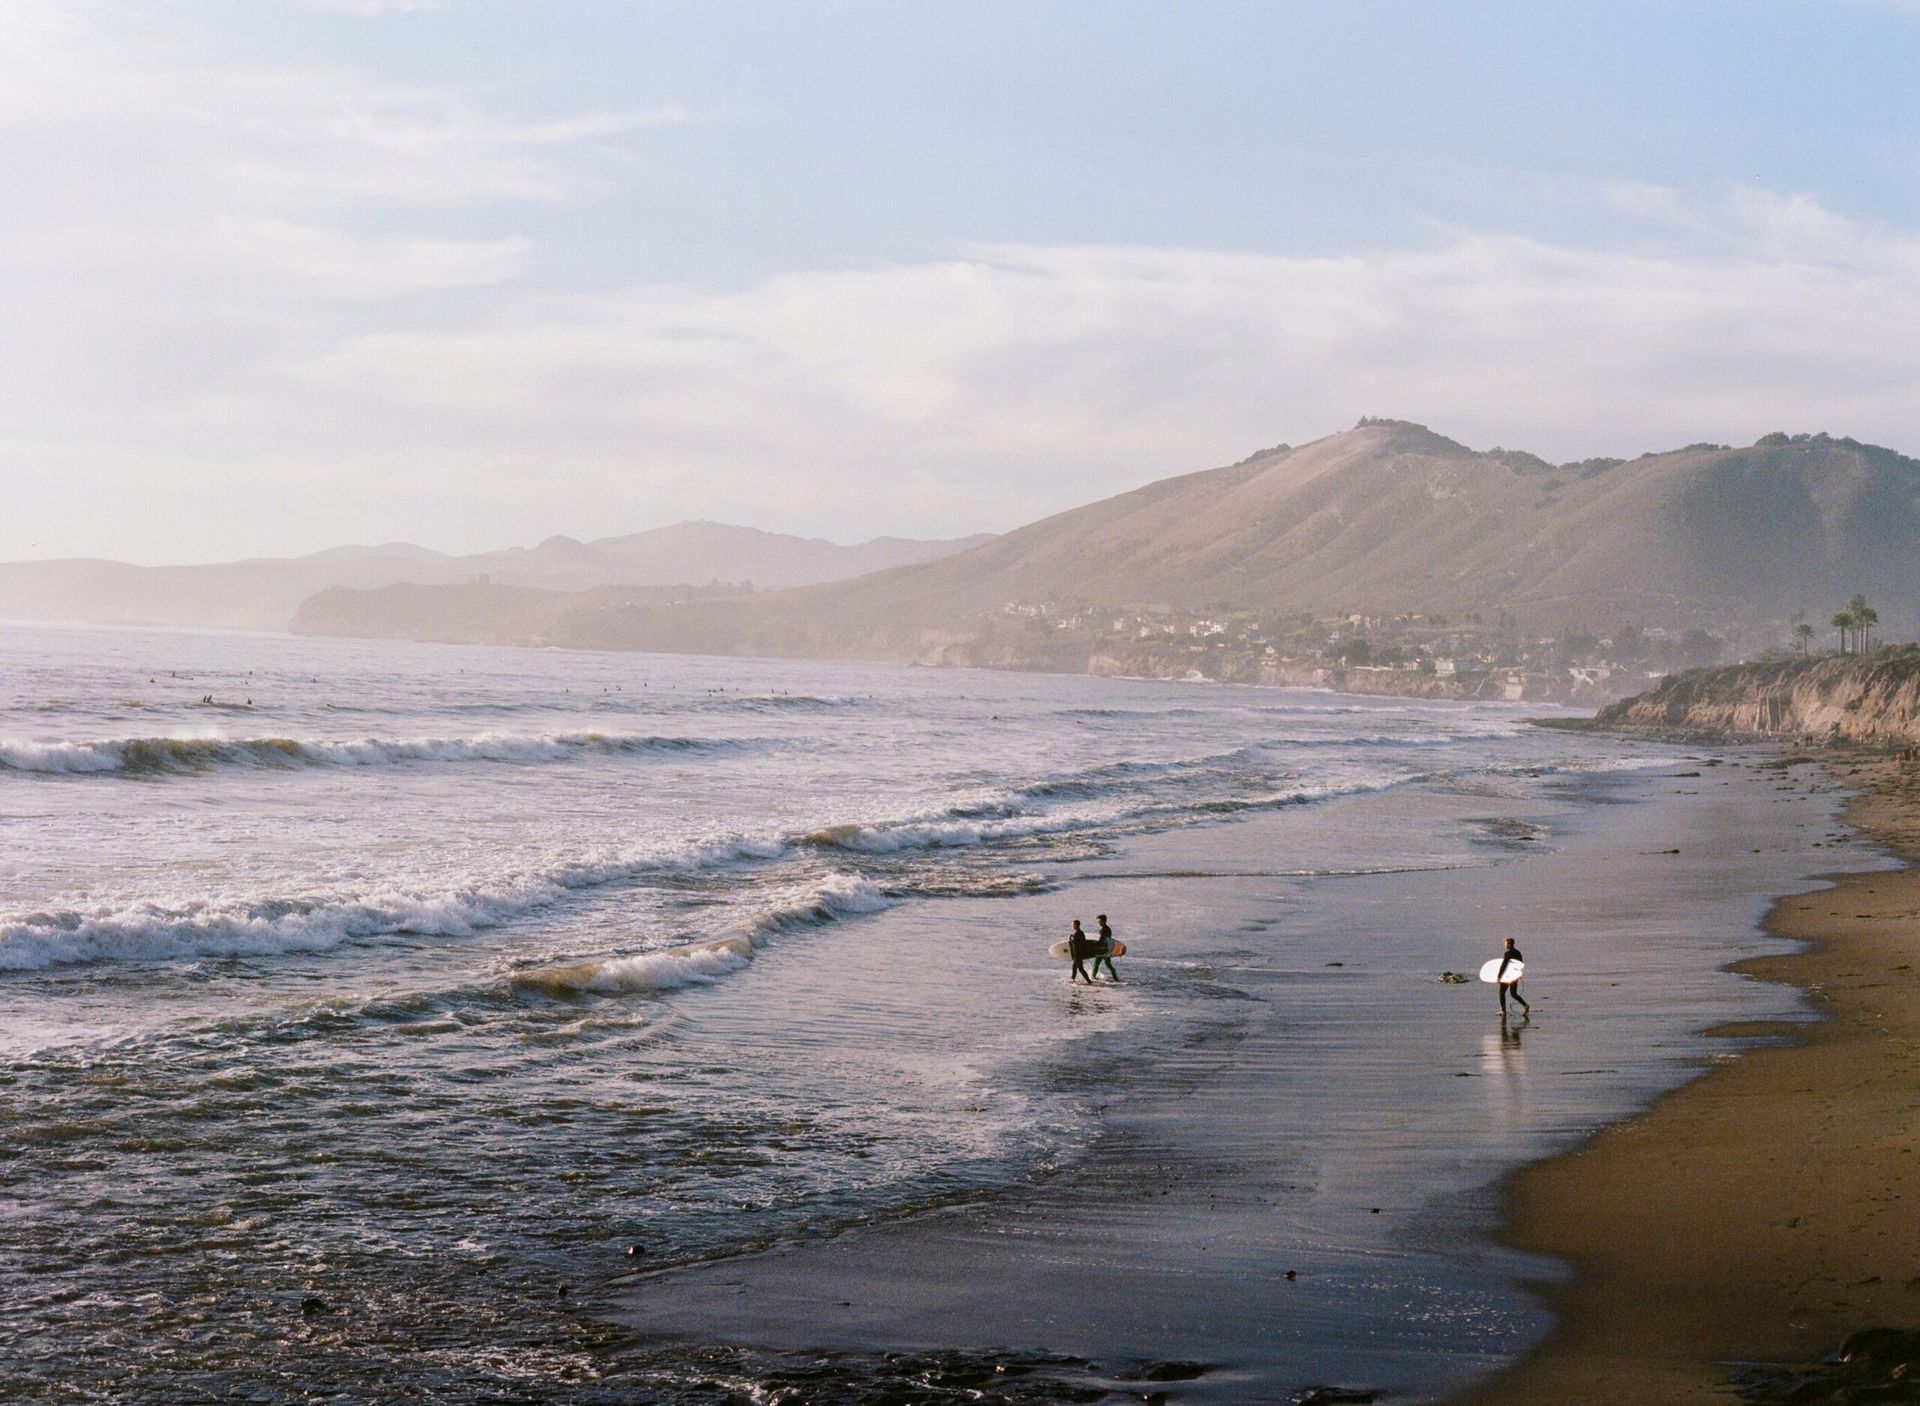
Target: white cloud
253	309
118	135
1023	378
988	388
341	265
178	225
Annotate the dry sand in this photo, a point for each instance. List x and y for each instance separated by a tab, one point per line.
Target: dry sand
1765	1212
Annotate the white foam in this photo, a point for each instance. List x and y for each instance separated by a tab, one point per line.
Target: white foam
171	755
157	931
1598	765
697	964
650	971
950	829
894	837
836	896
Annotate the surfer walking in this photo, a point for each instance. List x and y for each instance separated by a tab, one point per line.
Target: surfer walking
1079	947
1103	950
1508	954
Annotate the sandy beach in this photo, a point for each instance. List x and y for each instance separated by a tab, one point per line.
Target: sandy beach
1227	1238
1757	1217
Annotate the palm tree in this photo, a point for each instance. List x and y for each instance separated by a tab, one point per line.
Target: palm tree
1865	617
1803	637
1844	622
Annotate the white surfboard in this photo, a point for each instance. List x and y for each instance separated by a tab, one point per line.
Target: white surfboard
1491	971
1062	949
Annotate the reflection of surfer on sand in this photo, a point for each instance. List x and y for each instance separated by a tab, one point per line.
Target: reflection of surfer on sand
1103	950
1510	956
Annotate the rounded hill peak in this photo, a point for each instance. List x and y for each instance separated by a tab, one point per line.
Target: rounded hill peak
1407	435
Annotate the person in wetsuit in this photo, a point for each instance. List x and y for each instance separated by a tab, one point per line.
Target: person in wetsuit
1103	950
1510	953
1079	947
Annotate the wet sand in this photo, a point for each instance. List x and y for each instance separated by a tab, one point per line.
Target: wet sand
1763	1213
1221	1165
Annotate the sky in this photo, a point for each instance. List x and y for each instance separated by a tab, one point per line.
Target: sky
277	275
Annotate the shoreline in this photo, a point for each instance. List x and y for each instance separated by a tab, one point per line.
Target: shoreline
1748	1221
1185	1267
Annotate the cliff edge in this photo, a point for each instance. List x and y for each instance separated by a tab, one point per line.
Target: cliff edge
1872	697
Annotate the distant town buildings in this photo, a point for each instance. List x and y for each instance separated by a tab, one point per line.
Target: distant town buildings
1472	657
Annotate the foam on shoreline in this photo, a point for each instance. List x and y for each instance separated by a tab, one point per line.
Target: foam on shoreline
1327	1110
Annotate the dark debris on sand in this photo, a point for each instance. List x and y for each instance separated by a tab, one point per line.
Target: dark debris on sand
720	1376
1874	1365
726	1376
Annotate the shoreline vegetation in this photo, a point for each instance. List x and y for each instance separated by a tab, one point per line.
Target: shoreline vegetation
1753	1232
1870	698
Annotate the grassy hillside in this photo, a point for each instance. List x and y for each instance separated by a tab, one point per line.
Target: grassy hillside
1391	517
1493	564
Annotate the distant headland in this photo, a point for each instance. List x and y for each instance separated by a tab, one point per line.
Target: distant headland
1384	559
1387	558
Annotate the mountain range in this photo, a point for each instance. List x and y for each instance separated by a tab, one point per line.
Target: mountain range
264	593
1388	518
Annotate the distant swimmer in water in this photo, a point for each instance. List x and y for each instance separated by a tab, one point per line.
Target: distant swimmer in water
1079	947
1510	953
1103	949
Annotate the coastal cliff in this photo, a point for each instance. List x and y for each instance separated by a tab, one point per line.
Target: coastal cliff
1872	697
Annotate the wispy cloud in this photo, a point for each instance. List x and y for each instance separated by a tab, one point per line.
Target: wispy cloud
115	131
1103	363
307	293
983	389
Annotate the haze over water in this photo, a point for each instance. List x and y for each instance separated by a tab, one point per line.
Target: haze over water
348	1017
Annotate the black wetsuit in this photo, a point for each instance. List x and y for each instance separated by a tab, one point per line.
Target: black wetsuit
1104	953
1512	954
1079	947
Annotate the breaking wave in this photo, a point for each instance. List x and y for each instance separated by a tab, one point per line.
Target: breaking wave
773	703
695	964
235	927
669	970
158	756
1115	798
990	822
894	837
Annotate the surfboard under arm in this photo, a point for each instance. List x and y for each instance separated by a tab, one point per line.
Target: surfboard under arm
1062	949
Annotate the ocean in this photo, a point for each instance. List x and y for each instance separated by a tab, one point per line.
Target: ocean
377	1020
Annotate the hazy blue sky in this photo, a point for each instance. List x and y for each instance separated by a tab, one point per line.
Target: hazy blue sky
278	274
